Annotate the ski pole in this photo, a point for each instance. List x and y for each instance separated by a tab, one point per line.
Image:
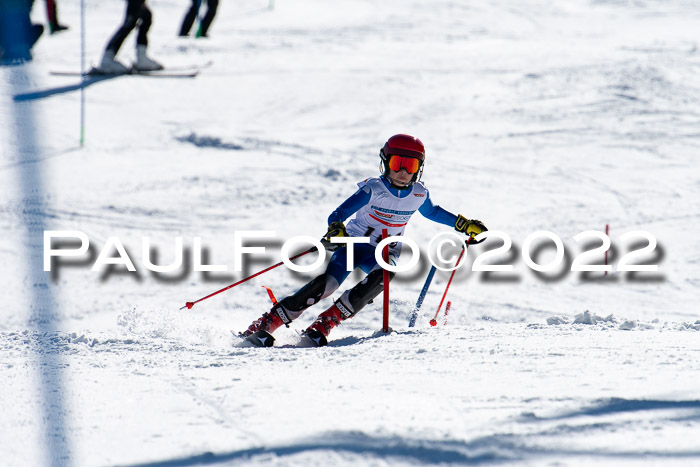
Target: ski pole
189	305
421	297
433	322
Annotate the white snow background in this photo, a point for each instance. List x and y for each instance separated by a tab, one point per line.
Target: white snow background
536	115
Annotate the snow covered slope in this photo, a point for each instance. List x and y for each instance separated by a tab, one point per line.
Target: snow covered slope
536	115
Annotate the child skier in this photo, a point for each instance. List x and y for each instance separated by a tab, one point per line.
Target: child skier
386	202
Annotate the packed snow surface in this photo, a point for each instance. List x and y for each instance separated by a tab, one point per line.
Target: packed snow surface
564	116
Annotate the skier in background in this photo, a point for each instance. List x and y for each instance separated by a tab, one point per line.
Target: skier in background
187	22
52	13
137	13
384	202
17	33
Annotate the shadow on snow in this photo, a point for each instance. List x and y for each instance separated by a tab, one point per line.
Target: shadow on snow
492	449
616	405
90	80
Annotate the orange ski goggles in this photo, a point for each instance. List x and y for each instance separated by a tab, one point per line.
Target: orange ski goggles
411	164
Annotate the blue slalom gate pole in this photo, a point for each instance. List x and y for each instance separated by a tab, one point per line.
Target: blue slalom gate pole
421	297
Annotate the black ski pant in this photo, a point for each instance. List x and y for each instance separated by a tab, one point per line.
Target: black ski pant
322	286
188	21
136	13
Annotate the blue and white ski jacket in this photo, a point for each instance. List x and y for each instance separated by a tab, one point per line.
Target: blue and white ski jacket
379	206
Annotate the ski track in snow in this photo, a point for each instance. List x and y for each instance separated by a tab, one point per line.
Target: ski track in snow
563	116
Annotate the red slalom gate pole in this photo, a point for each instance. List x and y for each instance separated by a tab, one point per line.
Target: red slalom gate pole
433	322
385	255
447	311
189	305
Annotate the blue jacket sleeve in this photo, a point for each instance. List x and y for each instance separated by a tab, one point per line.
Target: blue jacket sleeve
436	213
351	205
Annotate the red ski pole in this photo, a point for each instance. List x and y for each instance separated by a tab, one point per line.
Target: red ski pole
433	322
189	305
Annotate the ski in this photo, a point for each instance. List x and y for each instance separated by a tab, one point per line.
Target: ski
312	338
165	73
190	67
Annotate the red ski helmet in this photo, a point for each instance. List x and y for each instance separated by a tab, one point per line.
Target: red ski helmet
402	145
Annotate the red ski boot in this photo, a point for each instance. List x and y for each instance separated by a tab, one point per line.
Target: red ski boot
267	322
319	329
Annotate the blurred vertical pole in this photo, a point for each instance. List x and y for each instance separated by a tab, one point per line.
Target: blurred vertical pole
271	5
607	231
385	255
82	73
48	357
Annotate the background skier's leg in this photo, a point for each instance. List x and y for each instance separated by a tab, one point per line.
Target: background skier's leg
212	5
132	16
188	20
